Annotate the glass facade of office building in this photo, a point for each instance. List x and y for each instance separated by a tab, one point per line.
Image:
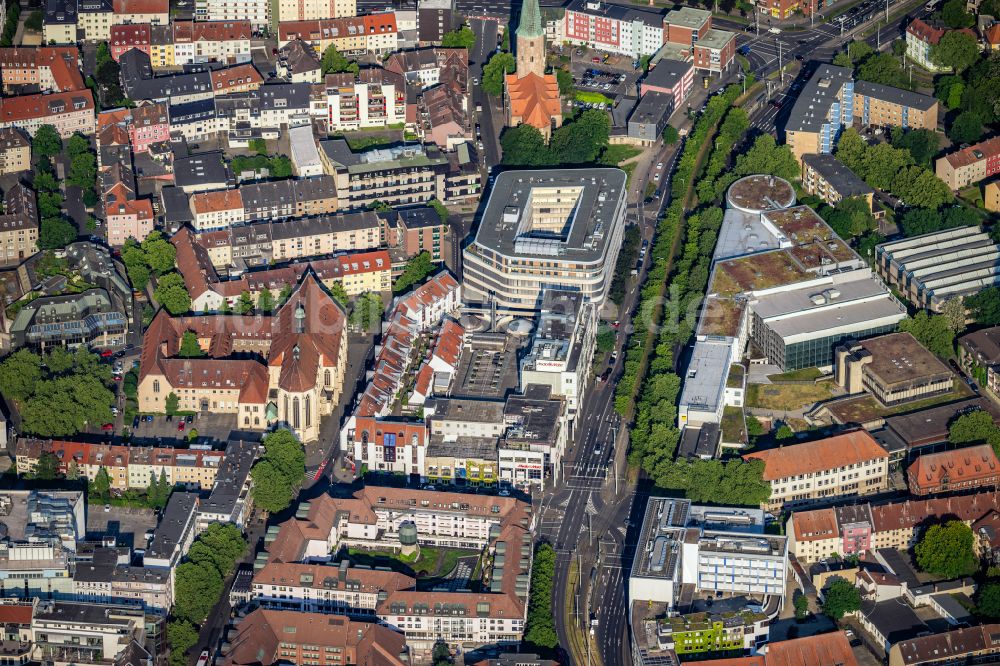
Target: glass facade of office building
819	351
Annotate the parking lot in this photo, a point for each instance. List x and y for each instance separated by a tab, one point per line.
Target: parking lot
128	526
213	429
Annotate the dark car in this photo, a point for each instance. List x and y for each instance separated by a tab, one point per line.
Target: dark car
189	418
799	57
135	423
776	103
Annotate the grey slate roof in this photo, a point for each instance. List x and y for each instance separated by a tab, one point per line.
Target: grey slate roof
894	95
836	173
813	105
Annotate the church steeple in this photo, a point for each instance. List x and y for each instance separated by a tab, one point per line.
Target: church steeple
530	41
531	20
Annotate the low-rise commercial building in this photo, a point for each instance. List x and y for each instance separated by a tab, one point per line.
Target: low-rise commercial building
894	368
560	230
848	464
931	269
970	164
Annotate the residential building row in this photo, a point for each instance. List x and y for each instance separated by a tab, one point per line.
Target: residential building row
181	43
351	35
70	21
832	100
969	164
859	528
50	68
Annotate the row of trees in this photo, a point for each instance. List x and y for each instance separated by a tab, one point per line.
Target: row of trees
654	435
279	473
82	168
59	394
540	628
627	257
893	170
55	230
10	24
199	585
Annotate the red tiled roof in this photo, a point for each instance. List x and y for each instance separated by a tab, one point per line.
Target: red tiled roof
211	31
534	99
952	468
216	201
925	32
823	454
236	77
981	151
30	107
130	34
815	525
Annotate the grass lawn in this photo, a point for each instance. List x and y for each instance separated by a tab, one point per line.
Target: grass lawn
432	562
735	378
803	375
786	397
361	142
973	195
618	153
592	98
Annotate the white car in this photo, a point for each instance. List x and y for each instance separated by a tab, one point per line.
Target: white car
659	166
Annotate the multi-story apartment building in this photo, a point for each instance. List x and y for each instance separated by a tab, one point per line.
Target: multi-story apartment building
378	102
15	151
217	209
19	222
68	112
877	105
826	177
921	38
51	68
131	467
669	77
211	41
415	229
129	36
560	231
953	471
630	31
175	532
435	18
323	588
819	533
312	10
852	463
397	176
102	579
970	165
355	35
257	12
67	633
414	518
155	12
125	215
303	342
149	124
966	645
979	353
310	639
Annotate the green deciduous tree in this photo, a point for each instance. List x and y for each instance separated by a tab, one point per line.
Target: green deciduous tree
984	307
922	144
245	304
784	432
367	311
171	293
494	71
976	427
171	403
988	600
840	598
334	63
46	142
565	80
540	629
949	89
954	15
947	550
279	472
670	135
416	270
181	637
524	145
20	373
958	50
766	156
801	606
883	68
159	253
851	218
462	38
197	587
967	128
55	232
581	141
101	485
265	300
932	331
189	346
47	467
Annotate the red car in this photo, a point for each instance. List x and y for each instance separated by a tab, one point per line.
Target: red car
118	378
180	426
108	427
107	353
595	60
